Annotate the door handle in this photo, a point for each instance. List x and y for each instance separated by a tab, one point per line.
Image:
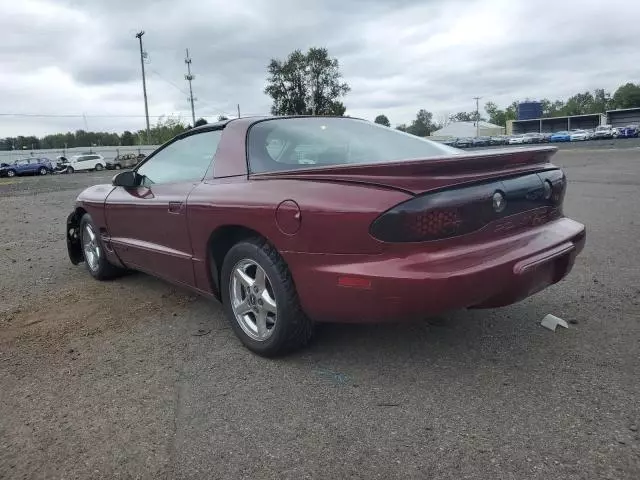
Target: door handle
175	207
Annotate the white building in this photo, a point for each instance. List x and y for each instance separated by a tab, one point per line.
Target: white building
468	129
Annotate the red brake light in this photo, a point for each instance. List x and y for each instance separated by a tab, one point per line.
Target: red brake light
455	212
434	223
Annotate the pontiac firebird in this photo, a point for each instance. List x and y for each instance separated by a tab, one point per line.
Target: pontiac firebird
290	221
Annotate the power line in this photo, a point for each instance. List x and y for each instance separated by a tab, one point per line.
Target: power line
200	100
74	115
168	81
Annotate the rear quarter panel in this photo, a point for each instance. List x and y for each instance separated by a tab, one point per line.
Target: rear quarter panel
334	217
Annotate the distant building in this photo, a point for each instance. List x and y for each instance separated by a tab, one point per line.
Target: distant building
617	118
623	117
555	124
468	129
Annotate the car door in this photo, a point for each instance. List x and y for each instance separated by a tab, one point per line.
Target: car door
148	224
34	165
22	166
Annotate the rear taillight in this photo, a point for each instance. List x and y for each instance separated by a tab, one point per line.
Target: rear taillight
455	212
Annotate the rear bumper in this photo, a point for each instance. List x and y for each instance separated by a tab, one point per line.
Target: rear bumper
415	285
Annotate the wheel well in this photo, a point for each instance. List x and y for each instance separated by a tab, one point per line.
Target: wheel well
219	244
73	235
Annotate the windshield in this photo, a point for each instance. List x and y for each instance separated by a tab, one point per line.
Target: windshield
289	143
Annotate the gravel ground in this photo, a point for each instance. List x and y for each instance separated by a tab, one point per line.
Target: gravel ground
136	379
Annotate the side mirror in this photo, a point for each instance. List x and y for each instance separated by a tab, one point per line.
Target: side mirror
127	179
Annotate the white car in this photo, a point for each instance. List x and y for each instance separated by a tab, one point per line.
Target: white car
86	161
579	135
517	140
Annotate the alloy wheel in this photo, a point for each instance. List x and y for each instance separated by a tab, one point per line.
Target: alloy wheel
253	300
91	248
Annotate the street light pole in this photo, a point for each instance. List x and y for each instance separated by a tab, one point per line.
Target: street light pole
144	85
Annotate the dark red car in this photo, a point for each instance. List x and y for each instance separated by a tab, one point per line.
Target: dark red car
290	221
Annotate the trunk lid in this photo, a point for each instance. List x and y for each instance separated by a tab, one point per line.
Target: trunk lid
420	176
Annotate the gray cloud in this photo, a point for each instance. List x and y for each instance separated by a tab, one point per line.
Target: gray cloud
72	56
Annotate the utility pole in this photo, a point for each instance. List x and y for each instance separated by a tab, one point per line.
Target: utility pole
144	85
189	78
477	99
238	110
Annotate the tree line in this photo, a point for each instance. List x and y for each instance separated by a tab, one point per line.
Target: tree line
164	130
598	101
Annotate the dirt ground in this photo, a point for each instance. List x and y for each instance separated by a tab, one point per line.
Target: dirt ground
137	379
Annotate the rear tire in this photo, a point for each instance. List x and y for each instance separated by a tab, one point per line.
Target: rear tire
99	167
94	253
291	329
117	166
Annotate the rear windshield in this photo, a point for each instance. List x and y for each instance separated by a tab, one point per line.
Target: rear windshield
290	143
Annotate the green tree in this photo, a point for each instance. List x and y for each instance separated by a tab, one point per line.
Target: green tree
422	126
222	118
498	116
627	96
164	130
306	84
200	122
463	117
382	120
402	127
127	138
602	101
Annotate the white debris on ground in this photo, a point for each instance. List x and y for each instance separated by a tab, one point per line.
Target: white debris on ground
551	322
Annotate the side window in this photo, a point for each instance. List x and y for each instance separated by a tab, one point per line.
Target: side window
22	162
184	160
82	159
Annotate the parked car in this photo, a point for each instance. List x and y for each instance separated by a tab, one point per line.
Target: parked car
448	141
546	137
604	131
128	160
26	166
86	161
560	137
371	231
463	142
480	141
630	131
578	135
499	140
533	137
517	140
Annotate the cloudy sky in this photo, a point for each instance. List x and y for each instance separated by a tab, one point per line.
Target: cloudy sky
60	59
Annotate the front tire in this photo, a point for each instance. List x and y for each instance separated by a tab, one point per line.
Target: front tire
94	252
99	167
70	170
43	171
260	300
11	173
